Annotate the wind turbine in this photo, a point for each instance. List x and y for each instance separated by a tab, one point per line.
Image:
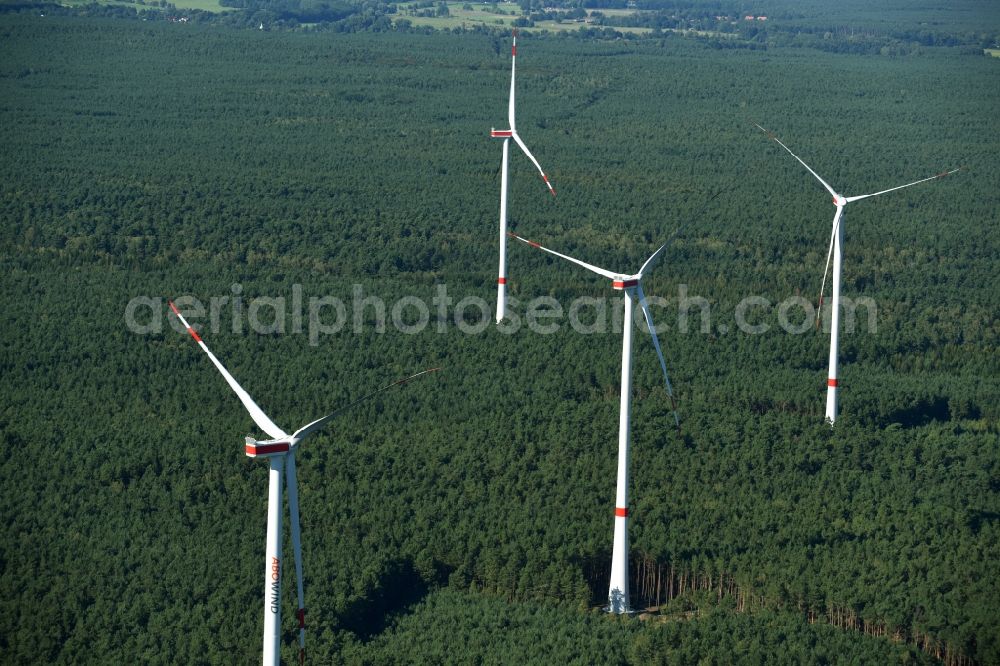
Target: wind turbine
836	240
507	135
280	452
631	285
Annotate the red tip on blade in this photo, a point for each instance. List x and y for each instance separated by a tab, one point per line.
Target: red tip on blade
302	618
513	51
194	334
302	657
943	174
533	244
548	184
515	32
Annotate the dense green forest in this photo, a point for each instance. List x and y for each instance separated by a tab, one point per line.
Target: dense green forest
467	518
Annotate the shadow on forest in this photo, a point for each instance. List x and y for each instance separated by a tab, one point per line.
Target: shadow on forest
596	570
921	412
398	589
978	518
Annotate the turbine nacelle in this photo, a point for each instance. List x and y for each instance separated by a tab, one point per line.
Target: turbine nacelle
501	134
269	448
624	282
839	201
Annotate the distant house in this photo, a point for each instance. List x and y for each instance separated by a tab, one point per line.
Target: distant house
748	17
761	18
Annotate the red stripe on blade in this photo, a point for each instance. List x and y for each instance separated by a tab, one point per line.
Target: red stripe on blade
831	382
620	512
501	280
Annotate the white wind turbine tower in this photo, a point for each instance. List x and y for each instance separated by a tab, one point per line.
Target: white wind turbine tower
280	452
836	240
618	591
507	135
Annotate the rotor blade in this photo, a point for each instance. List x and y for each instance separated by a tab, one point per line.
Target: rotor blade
656	343
513	67
655	257
256	413
771	136
531	157
307	429
893	189
293	510
600	271
826	268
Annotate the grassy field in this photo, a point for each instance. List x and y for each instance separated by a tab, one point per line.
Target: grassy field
110	3
204	5
571	25
479	13
451	21
464	14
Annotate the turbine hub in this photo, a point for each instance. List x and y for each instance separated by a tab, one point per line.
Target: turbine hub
839	200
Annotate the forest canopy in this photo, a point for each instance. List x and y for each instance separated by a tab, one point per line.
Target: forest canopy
472	513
